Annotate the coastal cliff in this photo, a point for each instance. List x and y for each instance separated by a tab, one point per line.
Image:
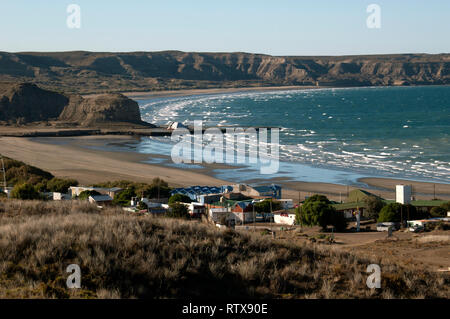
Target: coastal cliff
95	72
23	103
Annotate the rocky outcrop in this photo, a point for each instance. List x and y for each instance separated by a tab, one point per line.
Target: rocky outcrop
102	72
24	103
101	109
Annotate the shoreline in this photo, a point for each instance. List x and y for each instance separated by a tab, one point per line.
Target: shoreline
77	158
195	92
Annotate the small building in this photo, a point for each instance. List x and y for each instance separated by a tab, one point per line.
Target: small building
269	191
284	217
243	212
220	213
100	200
198	193
60	196
287	203
196	210
75	191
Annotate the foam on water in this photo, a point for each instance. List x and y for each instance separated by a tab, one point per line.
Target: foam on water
400	132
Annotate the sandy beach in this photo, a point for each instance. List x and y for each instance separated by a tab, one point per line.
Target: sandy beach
75	158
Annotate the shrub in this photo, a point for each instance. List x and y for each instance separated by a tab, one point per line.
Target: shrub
265	206
438	212
317	210
60	185
142	206
25	191
178	210
373	206
391	213
179	198
124	197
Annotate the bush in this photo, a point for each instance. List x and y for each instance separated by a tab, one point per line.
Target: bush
60	185
179	198
373	206
338	221
124	197
317	210
438	212
391	213
84	195
25	191
265	205
178	210
142	206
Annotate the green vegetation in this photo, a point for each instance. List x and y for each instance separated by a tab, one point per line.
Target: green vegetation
142	206
317	210
59	185
157	189
373	206
179	198
124	197
84	195
168	258
25	191
438	212
391	213
18	173
178	210
265	205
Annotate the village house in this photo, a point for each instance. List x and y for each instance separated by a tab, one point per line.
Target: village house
75	191
284	217
243	212
100	200
270	191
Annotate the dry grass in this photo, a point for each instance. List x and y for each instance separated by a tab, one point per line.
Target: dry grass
434	238
125	256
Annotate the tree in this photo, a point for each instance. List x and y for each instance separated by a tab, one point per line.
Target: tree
142	206
373	206
446	206
265	205
338	220
60	185
124	197
392	213
179	198
178	210
438	212
317	210
25	191
84	195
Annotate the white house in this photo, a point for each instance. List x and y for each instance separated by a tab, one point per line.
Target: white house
216	214
61	196
284	217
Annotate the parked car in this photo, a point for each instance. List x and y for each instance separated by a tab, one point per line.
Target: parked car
385	226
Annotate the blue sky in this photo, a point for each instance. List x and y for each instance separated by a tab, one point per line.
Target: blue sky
283	27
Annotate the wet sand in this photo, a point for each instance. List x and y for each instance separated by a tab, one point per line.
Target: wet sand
74	158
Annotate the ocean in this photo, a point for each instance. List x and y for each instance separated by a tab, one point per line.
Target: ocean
326	135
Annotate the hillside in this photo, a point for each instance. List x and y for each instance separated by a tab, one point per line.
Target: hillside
22	103
19	172
125	256
89	72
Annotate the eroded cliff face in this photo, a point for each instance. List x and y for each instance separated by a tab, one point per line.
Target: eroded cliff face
101	109
102	72
25	103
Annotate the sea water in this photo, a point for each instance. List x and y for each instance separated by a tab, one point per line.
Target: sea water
327	135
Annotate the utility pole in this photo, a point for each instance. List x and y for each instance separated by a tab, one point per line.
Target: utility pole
4	173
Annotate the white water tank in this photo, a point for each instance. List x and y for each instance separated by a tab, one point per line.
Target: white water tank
403	194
